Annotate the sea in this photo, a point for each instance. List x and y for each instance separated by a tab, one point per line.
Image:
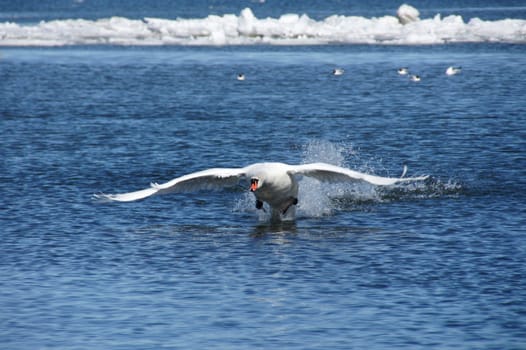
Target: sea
107	96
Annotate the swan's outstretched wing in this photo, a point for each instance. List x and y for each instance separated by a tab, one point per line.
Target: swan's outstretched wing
332	173
209	179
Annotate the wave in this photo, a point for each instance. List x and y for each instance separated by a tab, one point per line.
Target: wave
406	28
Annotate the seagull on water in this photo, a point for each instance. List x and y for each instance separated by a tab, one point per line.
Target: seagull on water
453	70
415	78
241	77
273	183
338	71
403	71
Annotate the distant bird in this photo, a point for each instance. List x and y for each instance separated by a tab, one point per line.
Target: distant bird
403	71
415	77
338	71
273	183
241	77
453	70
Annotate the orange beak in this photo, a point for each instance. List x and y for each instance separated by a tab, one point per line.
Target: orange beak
253	185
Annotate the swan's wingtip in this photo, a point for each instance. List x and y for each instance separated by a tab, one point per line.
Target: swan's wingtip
404	171
413	178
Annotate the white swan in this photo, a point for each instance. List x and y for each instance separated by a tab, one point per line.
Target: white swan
272	183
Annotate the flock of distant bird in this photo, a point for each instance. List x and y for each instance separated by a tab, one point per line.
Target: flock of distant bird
414	77
402	71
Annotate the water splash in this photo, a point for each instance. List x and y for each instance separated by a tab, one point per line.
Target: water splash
317	199
247	204
328	152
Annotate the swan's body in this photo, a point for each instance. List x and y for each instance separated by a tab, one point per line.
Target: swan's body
272	183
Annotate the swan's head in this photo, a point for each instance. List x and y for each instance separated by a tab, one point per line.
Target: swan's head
254	184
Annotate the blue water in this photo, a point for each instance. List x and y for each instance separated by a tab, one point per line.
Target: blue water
437	265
